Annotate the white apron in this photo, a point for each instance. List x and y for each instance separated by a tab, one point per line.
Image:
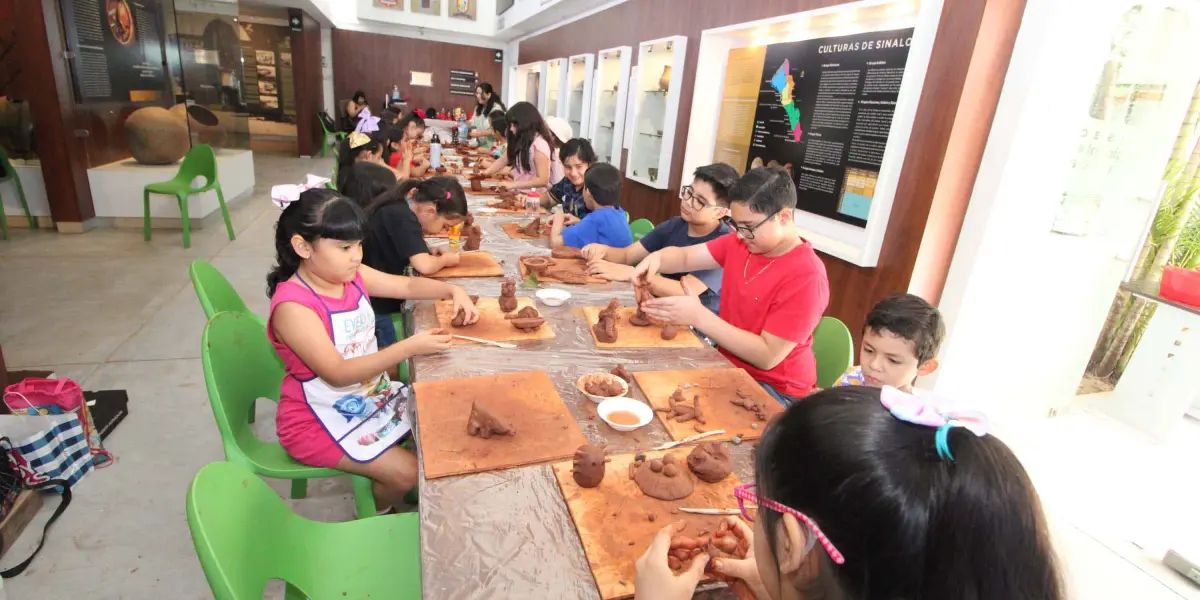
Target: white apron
365	418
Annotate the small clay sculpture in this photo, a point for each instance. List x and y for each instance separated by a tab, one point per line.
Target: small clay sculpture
668	332
460	319
710	461
662	478
533	228
537	264
744	400
606	325
639	319
508	296
566	252
482	423
476	184
620	371
642	294
474	236
681	411
588	465
603	387
527	324
468	220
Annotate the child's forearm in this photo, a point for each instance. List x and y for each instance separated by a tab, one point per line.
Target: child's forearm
423	288
741	343
662	286
356	370
672	259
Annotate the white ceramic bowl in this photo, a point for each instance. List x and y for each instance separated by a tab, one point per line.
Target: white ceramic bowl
641	409
553	296
581	385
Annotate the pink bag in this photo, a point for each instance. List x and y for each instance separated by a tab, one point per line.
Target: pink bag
34	396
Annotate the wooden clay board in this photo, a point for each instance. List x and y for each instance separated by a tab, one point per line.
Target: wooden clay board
546	431
578	263
606	538
715	388
504	211
630	336
491	324
475	264
511	230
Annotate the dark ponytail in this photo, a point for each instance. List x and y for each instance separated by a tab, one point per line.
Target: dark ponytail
347	156
446	193
319	213
366	181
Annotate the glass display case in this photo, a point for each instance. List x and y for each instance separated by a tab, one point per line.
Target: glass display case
556	83
656	105
528	84
608	103
579	94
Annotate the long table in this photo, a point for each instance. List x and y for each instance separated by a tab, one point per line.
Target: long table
508	534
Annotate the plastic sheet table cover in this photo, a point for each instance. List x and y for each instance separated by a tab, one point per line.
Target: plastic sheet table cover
508	534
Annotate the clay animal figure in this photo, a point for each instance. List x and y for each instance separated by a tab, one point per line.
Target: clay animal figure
534	227
527	319
662	478
710	461
528	312
482	423
620	371
588	465
474	236
681	411
746	401
606	326
668	332
508	296
603	387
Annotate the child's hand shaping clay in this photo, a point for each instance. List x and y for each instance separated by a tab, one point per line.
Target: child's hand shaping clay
745	569
428	342
656	581
463	302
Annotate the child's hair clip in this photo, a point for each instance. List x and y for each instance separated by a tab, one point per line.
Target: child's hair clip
285	194
927	411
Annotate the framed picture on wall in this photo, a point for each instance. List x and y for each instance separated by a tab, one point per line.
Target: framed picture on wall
427	7
463	9
392	4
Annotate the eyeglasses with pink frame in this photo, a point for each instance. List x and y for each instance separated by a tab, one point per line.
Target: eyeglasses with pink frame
745	493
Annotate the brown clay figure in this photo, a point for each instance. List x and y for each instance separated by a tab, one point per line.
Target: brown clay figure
668	332
508	296
468	220
476	183
533	228
527	324
744	400
680	411
605	388
537	264
710	461
588	465
620	371
474	235
662	478
482	423
606	326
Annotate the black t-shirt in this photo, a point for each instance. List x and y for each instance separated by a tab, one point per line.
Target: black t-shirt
393	237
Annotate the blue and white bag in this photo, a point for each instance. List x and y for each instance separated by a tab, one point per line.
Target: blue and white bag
47	447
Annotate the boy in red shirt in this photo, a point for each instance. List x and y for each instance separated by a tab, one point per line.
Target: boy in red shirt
773	291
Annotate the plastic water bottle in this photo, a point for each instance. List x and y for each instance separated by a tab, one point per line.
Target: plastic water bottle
435	151
395	94
533	201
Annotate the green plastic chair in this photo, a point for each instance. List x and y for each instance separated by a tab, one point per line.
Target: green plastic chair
216	295
833	347
640	228
240	367
245	536
200	161
10	174
326	133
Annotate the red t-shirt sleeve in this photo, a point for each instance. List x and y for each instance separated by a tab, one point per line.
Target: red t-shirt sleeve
794	314
719	248
394	159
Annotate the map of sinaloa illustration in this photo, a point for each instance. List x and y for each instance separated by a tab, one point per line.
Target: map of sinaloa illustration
784	84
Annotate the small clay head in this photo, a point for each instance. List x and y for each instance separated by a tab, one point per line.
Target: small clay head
588	465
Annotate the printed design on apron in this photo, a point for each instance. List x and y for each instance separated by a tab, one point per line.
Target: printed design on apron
368	417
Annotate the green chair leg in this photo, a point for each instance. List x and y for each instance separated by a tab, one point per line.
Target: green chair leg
3	223
24	203
185	219
224	211
364	499
299	489
293	593
146	213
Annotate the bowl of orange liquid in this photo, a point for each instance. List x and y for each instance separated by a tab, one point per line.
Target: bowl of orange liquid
625	414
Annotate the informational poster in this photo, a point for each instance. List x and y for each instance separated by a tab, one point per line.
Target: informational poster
822	109
463	82
117	48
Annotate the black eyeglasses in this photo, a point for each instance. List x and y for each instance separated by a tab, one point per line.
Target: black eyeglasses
688	193
747	232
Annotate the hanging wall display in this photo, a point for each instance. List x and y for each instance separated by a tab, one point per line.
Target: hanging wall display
463	9
463	82
426	7
118	51
390	4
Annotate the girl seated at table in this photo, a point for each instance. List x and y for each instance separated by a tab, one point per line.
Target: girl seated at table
360	147
337	406
500	148
402	150
869	493
530	152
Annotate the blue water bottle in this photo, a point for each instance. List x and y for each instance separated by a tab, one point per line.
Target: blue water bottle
435	151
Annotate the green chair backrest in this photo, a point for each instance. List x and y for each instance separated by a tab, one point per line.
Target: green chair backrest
200	161
833	347
640	228
214	291
245	536
240	366
6	168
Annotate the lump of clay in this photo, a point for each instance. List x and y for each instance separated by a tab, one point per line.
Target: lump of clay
566	252
155	136
588	465
528	312
474	237
620	371
710	461
508	296
477	184
567	274
482	423
606	326
440	170
603	387
468	220
460	319
681	411
668	332
662	478
640	319
527	324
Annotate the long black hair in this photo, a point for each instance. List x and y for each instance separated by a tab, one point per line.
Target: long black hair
499	123
366	181
444	192
347	156
529	125
910	524
319	213
493	101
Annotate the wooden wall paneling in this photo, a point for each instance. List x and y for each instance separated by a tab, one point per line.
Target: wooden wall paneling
854	290
374	63
63	155
306	73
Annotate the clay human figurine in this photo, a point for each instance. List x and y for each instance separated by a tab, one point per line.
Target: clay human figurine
474	235
744	400
662	478
482	423
476	184
508	296
620	371
606	325
710	461
680	411
588	465
642	294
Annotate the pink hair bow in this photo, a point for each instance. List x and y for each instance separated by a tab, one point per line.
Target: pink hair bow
366	122
930	412
285	194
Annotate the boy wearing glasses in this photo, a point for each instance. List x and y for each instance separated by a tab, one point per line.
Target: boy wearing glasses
774	288
702	208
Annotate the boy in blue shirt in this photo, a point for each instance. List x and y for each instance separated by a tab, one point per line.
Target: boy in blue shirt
605	224
702	207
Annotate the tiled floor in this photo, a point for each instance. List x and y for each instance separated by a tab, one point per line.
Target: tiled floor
112	311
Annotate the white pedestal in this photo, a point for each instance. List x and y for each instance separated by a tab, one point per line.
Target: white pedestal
117	187
35	192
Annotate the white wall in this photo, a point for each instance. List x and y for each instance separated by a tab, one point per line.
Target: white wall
327	71
484	23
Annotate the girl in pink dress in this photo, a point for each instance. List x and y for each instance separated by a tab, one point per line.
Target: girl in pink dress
532	152
337	406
